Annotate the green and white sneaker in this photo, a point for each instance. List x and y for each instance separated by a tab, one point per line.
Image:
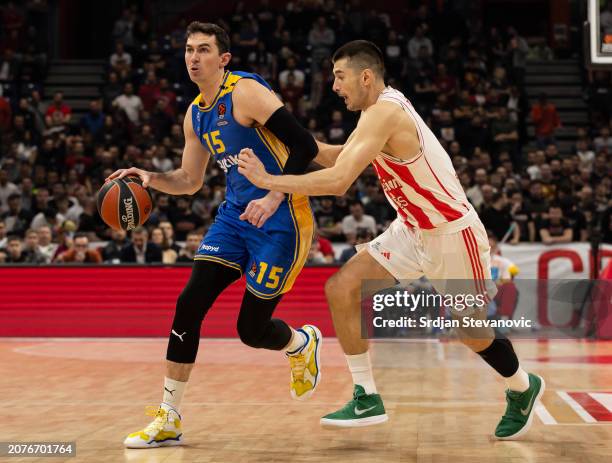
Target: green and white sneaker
520	410
363	410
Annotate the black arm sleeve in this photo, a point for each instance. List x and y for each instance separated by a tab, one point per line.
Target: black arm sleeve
302	145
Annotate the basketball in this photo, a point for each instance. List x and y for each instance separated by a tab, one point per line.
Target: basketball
124	203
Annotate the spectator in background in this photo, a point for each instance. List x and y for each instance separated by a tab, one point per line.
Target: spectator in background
93	121
505	134
158	237
6	189
58	106
131	104
32	250
546	121
14	251
474	193
149	91
192	244
498	219
49	217
363	236
299	78
328	219
603	141
112	251
141	250
521	215
518	49
555	229
316	255
16	218
3	239
355	220
321	38
183	219
418	42
78	251
45	245
121	60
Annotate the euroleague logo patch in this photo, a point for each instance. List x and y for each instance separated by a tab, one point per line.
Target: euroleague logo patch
221	110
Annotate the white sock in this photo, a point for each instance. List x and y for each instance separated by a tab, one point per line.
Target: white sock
361	369
173	393
519	381
298	340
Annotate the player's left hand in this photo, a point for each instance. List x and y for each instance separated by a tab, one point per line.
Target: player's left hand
260	210
252	168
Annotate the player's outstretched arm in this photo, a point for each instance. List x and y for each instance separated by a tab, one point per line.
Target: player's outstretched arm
374	129
328	154
187	179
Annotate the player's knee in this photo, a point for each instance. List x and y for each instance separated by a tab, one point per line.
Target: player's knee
339	287
252	336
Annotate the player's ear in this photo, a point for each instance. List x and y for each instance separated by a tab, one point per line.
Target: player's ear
225	58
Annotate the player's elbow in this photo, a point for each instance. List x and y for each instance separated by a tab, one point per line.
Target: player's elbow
341	186
194	187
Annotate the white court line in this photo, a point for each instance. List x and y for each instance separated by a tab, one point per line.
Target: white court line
576	407
545	415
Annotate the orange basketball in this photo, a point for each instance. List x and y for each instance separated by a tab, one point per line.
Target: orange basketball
124	203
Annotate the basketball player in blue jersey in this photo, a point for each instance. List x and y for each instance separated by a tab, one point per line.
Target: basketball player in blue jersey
263	234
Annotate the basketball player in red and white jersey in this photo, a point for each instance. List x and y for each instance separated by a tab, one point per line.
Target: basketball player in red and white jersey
437	233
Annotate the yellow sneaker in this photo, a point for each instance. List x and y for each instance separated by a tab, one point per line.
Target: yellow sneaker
306	364
163	431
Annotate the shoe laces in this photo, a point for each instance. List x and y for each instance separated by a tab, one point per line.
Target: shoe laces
514	406
298	365
161	418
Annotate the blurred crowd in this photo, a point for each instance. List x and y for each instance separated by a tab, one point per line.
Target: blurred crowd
467	82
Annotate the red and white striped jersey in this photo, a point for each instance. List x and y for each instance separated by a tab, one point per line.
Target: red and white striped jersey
425	190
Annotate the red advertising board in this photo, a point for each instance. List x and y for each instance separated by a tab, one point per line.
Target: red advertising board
127	301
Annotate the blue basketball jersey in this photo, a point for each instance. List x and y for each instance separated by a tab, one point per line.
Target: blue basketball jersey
271	257
223	137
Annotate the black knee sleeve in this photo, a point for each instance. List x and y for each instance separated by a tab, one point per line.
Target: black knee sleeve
208	279
501	356
256	328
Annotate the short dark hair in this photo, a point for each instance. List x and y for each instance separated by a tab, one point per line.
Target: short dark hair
223	41
79	235
364	54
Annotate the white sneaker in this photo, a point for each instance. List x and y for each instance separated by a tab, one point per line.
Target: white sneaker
306	364
163	431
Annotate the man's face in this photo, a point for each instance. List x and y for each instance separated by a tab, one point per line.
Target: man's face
555	213
118	235
348	85
2	230
14	248
139	240
202	57
193	242
14	204
44	235
32	240
81	244
357	211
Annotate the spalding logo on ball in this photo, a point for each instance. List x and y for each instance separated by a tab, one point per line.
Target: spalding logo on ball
124	203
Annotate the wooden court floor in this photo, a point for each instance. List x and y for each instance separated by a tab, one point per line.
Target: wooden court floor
442	400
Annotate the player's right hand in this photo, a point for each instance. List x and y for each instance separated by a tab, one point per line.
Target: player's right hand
144	176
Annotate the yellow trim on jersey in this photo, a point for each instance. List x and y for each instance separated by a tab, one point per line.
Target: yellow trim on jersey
227	85
221	261
276	147
303	223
